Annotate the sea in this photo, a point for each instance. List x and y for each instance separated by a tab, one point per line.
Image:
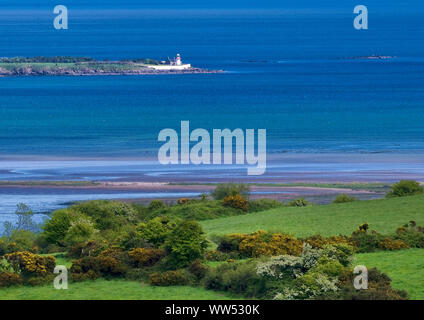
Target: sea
298	69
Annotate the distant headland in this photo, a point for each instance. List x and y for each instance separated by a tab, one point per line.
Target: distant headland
84	66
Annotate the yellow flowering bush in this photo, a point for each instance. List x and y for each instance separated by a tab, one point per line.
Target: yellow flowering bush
30	264
146	256
390	244
236	201
318	241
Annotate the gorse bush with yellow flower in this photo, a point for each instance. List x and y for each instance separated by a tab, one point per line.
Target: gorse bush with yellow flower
30	264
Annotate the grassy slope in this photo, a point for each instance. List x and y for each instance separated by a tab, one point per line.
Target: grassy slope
404	267
384	215
113	289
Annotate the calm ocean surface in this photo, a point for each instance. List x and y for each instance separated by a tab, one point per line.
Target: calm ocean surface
290	72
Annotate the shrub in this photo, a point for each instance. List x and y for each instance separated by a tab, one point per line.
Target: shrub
88	248
198	269
236	202
411	234
8	279
389	244
214	255
81	229
405	188
230	189
107	214
95	267
261	243
379	288
156	205
264	204
202	210
301	202
340	252
57	226
365	241
329	267
122	257
318	241
156	230
145	257
343	198
230	243
169	278
29	265
237	278
187	242
19	240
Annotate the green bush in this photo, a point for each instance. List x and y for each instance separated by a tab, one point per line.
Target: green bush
57	226
379	288
343	198
365	241
202	210
230	243
411	234
263	204
156	205
198	269
87	248
156	230
340	252
236	278
230	189
214	255
186	243
301	202
405	188
107	214
169	278
19	240
81	229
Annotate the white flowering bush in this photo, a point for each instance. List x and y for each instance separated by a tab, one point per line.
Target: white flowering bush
315	273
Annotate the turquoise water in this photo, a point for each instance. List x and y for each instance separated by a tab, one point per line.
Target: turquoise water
290	70
288	73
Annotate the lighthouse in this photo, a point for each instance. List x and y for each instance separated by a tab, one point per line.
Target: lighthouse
178	61
173	64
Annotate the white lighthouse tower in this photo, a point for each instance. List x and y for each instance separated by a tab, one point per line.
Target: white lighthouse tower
178	61
173	64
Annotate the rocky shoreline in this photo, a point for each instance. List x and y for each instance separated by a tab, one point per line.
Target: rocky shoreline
27	71
84	66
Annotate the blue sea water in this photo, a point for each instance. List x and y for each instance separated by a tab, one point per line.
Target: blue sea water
290	69
288	72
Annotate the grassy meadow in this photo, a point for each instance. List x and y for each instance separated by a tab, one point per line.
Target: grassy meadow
101	289
383	215
404	267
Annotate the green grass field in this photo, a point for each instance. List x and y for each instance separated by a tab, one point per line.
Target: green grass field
383	215
113	290
404	267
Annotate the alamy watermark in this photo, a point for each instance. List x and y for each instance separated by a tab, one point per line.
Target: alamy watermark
217	151
361	20
61	20
60	282
361	281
